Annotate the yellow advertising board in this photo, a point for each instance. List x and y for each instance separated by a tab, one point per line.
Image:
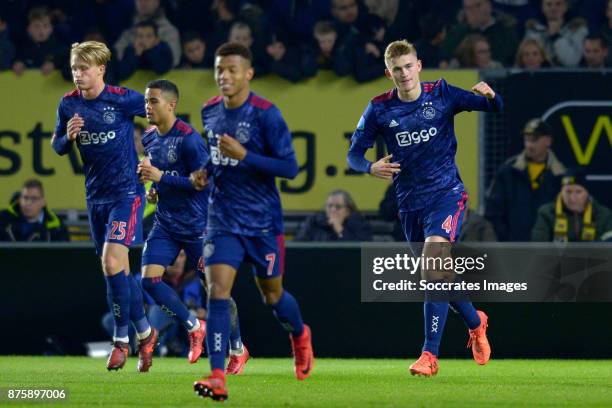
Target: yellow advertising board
321	112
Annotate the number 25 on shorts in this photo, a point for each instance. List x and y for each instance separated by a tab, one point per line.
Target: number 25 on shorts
118	230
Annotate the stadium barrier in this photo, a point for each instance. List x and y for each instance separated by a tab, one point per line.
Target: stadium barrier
53	297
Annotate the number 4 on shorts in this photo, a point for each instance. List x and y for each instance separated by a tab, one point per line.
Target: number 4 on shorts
447	224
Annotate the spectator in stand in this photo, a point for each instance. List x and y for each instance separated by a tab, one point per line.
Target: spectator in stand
531	55
595	52
520	10
194	52
497	28
523	184
606	31
575	216
474	52
287	61
147	10
146	52
241	33
429	46
561	38
340	221
296	19
189	15
326	36
400	18
322	52
28	218
593	11
41	49
359	43
223	15
7	49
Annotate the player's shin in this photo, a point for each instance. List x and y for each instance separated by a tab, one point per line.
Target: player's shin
287	311
137	312
169	301
460	303
218	328
435	314
118	297
234	337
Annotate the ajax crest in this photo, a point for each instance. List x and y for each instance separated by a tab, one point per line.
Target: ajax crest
172	156
429	112
109	115
242	132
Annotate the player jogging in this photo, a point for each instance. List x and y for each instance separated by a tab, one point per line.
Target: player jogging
250	145
416	121
174	150
98	118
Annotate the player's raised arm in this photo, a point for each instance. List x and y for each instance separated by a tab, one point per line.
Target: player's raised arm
481	98
281	162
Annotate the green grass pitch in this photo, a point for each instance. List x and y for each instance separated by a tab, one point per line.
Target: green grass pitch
334	383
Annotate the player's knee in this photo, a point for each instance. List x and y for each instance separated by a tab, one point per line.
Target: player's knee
271	296
218	291
111	264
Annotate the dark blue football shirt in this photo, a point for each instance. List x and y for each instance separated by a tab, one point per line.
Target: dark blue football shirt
421	136
181	209
106	141
244	200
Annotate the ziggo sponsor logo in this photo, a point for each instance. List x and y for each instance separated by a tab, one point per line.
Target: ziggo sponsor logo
86	138
408	138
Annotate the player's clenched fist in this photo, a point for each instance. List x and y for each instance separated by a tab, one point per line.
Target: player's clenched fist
231	148
384	169
148	172
482	88
152	196
199	179
74	126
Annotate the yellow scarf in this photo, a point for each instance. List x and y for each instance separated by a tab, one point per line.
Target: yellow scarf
561	224
536	173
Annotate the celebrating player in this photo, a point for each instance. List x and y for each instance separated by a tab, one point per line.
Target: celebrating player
250	145
174	150
98	118
416	121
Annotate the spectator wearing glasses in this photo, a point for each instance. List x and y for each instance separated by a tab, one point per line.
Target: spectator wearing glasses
28	218
339	221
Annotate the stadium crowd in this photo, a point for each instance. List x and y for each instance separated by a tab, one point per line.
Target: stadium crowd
296	38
